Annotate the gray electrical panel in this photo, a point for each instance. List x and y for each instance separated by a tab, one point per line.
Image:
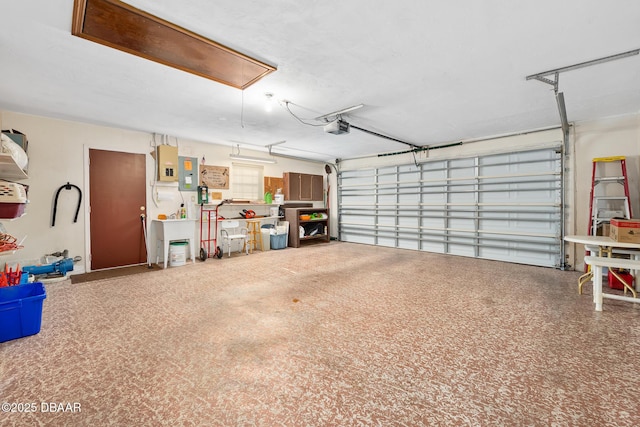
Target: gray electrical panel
188	173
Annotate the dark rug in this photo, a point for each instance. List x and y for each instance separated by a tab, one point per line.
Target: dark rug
113	272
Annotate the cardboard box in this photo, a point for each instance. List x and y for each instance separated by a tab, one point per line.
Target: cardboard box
625	230
603	230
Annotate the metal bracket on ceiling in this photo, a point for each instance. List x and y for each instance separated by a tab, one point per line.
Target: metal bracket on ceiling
543	76
553	82
270	146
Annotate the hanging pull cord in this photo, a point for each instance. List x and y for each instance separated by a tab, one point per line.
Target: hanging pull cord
67	186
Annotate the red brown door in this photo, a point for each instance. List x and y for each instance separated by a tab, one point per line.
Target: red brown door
117	186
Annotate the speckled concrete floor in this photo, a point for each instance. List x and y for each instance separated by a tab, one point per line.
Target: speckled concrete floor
330	335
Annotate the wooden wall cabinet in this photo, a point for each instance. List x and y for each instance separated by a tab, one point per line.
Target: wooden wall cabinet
317	188
293	216
303	186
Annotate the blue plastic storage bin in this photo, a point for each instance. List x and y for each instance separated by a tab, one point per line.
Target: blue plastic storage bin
21	310
278	241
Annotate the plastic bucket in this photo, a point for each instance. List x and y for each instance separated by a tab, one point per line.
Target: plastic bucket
177	254
266	241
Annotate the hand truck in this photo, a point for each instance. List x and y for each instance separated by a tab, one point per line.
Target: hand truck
206	253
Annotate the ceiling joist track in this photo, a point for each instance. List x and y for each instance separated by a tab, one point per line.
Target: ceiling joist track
370	132
121	26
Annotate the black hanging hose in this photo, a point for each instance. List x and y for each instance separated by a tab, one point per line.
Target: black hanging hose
67	186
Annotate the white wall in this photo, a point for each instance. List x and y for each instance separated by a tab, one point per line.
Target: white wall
613	136
57	151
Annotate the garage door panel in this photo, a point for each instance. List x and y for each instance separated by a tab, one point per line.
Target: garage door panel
409	221
359	238
461	224
522	227
408	244
433	223
411	199
389	220
464	249
429	246
462	198
500	206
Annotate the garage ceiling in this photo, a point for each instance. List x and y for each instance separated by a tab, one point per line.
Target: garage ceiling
428	73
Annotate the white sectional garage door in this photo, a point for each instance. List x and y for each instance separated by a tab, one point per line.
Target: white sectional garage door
503	207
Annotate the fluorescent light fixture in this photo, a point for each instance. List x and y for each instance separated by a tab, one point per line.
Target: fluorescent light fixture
242	157
337	113
252	159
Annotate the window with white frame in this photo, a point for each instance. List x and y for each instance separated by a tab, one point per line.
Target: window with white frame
247	181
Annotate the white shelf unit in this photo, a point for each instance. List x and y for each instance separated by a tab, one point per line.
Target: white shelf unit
10	170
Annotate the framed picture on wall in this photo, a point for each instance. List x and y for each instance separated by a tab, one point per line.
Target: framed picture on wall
215	176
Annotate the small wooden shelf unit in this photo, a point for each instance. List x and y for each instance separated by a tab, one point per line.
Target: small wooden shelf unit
293	216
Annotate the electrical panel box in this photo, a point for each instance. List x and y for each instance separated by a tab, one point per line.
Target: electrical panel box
167	163
187	173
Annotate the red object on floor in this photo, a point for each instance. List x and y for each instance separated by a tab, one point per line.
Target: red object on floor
614	283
